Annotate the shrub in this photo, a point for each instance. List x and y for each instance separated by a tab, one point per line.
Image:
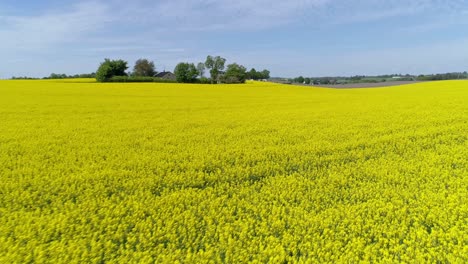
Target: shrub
110	68
204	80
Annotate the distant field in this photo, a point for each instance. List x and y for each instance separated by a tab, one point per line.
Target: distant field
171	173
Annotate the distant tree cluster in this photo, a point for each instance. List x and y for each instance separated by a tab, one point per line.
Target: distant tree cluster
65	76
377	78
145	71
57	76
185	72
219	73
443	76
261	75
116	71
23	78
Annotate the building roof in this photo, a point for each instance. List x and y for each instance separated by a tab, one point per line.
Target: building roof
162	74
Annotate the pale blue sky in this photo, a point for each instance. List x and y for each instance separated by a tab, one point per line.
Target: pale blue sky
291	38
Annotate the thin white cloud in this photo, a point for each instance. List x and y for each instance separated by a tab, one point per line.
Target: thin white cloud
107	28
457	20
54	27
58	26
242	15
207	15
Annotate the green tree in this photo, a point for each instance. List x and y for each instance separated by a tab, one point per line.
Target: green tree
265	74
215	65
57	76
299	79
307	80
110	68
144	68
186	72
252	74
201	69
235	73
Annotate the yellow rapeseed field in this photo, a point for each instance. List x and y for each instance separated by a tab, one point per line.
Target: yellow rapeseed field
261	172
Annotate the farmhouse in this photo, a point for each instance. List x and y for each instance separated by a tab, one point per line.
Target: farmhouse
166	75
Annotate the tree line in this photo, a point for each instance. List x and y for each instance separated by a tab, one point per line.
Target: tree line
443	76
57	76
185	72
74	76
378	78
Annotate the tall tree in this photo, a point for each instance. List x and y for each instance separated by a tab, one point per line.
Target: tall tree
110	68
144	67
201	68
186	72
215	65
